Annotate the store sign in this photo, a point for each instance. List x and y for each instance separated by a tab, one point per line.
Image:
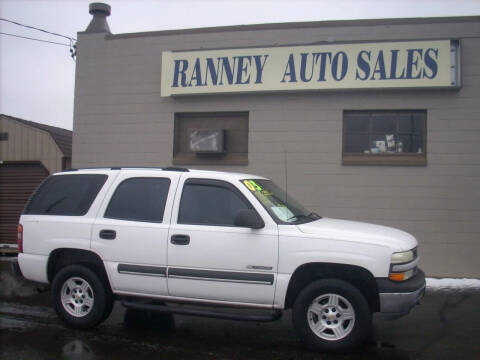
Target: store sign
419	64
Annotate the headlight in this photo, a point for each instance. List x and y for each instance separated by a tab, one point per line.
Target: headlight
403	257
403	265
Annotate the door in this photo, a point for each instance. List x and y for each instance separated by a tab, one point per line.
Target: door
131	231
211	258
17	182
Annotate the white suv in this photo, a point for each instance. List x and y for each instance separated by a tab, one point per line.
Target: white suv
153	238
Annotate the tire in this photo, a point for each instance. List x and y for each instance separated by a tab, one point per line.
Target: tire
80	298
331	315
108	309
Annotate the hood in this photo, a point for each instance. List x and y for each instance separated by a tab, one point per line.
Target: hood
356	231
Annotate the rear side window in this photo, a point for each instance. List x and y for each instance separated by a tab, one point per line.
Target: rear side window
210	203
139	199
70	195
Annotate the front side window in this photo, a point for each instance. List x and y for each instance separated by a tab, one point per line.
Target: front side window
281	207
210	202
70	195
383	137
139	199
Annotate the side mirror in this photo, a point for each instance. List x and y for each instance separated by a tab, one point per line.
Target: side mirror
249	218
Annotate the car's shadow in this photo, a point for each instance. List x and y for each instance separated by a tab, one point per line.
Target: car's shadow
232	338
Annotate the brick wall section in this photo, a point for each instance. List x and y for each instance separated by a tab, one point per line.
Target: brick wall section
120	119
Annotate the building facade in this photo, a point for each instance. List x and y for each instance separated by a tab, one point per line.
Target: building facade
380	125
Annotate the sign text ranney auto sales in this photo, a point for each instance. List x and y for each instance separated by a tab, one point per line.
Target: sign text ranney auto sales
347	66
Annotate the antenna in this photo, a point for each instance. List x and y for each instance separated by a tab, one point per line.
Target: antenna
286	174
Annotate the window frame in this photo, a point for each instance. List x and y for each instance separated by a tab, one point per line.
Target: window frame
388	159
231	154
214	183
136	220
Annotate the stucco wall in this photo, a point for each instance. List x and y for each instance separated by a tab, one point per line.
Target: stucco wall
26	143
120	119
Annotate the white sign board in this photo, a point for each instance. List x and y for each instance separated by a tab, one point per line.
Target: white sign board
413	64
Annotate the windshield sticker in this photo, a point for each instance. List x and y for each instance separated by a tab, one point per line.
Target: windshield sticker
282	212
252	185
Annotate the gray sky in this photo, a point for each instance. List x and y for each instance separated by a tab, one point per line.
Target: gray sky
37	79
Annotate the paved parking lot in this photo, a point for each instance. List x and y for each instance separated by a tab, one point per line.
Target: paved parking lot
445	326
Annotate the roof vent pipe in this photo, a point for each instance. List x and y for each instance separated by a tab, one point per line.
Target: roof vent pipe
99	24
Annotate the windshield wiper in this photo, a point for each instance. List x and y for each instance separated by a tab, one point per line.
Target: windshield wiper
311	216
314	216
299	216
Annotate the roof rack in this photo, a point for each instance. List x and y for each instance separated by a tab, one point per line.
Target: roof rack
173	168
167	168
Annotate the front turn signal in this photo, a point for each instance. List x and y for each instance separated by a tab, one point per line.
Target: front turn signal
401	276
397	276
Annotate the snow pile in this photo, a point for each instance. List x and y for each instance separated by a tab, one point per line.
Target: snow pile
453	284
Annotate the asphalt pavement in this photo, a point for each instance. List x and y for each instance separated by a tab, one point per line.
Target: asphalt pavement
445	326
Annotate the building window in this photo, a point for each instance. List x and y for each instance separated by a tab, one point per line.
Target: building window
3	136
211	138
382	137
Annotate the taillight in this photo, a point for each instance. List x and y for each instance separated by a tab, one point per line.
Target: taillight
20	238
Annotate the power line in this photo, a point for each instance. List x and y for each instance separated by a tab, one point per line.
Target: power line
35	28
30	38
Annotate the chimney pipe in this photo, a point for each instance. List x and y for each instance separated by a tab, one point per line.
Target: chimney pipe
99	24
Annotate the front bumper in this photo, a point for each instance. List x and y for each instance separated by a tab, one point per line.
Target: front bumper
399	298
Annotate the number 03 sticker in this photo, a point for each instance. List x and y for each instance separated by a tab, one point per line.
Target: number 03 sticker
252	185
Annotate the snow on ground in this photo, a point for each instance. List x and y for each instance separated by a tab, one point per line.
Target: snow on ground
449	284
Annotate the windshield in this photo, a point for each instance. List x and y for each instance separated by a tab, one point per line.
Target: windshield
279	205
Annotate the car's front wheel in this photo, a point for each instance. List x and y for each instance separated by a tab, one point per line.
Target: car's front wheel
332	315
80	297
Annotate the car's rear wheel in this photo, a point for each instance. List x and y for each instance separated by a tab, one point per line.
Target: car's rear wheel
80	298
332	315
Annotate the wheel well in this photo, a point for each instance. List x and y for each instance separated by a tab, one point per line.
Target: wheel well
359	277
59	258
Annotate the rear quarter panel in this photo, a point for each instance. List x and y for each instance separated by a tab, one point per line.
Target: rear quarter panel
44	233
